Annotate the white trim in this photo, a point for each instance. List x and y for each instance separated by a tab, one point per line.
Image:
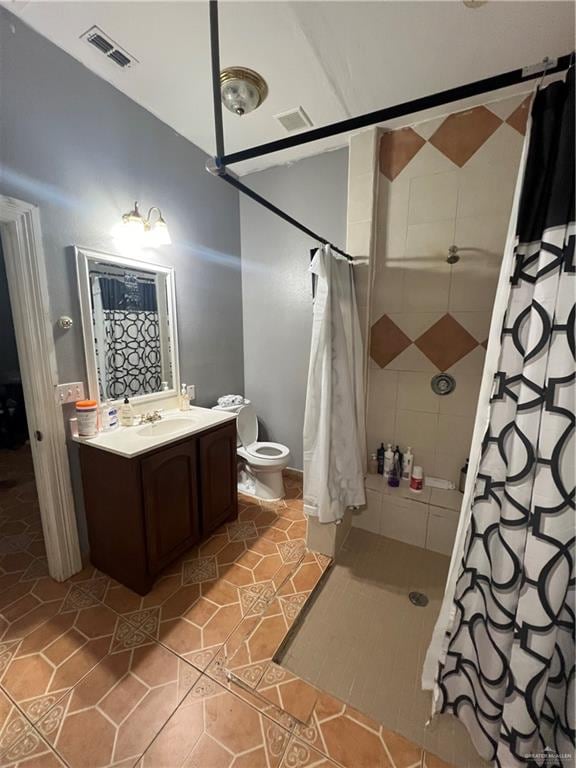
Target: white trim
27	285
83	256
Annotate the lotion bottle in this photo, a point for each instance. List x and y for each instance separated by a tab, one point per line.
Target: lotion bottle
388	460
126	413
407	464
184	399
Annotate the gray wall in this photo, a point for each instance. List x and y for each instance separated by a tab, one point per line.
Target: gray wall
83	152
276	287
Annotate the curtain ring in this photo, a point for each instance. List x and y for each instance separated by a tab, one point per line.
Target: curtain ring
546	62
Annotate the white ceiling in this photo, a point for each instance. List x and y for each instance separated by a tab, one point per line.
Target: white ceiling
336	59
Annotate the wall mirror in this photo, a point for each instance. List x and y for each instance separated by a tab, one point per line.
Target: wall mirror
129	325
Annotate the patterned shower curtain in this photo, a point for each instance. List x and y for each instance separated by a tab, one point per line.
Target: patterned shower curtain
508	669
127	335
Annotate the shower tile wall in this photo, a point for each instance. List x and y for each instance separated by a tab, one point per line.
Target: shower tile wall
442	182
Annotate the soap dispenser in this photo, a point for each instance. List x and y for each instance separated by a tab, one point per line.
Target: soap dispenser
126	413
184	399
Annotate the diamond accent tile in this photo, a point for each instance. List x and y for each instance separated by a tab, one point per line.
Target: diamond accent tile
127	636
77	598
519	117
242	530
387	341
147	620
291	551
254	597
199	570
397	149
446	342
462	134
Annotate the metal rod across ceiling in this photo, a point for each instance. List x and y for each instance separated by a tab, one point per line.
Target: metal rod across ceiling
476	88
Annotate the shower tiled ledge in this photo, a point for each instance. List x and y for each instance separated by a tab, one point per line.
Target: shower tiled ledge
436	497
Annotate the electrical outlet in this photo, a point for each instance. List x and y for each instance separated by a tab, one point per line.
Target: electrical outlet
69	393
191	391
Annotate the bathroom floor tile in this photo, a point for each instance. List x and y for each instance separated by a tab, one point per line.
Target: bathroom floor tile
56	655
118	708
301	755
263	639
30	751
214	728
13	725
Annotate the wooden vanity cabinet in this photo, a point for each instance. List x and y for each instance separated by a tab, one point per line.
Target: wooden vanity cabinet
144	512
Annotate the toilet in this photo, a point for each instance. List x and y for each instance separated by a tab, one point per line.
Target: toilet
264	462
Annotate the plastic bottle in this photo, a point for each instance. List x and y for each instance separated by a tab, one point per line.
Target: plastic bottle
108	416
388	459
395	470
87	418
373	465
417	480
184	399
407	464
380	459
126	413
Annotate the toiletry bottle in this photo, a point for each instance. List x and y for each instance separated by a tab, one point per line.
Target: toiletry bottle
417	480
463	474
126	413
184	401
380	459
373	465
395	470
407	464
388	459
108	416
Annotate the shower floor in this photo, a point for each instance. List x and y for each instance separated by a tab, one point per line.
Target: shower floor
363	641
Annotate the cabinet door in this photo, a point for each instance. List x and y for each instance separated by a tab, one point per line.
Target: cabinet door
218	472
169	479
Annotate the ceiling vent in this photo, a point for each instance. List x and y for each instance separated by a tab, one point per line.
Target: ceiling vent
294	120
100	40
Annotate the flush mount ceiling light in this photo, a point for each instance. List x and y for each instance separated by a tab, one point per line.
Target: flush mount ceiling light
474	3
137	230
242	90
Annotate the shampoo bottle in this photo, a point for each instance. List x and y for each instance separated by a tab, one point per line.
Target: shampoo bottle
395	470
380	459
126	413
388	460
407	464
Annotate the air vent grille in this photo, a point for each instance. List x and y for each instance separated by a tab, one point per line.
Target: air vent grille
294	120
104	43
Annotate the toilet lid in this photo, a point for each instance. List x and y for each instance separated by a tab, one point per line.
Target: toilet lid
247	425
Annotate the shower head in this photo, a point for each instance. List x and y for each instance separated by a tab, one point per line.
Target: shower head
453	257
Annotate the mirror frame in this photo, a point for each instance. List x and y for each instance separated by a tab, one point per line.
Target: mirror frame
83	258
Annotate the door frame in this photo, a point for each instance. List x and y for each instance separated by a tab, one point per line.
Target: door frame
25	262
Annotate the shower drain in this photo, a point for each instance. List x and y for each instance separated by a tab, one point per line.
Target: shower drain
419	599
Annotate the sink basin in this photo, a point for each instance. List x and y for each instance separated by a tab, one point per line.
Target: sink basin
165	428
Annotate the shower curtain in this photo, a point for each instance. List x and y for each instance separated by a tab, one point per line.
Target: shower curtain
334	428
502	653
127	337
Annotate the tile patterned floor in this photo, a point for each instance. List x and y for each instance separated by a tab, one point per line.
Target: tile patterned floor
93	675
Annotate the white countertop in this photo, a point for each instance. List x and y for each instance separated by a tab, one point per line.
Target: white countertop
133	441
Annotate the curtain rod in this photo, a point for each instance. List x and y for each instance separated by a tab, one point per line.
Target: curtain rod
235	182
217	165
476	88
217	168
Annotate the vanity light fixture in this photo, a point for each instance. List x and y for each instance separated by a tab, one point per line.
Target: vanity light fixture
143	231
242	90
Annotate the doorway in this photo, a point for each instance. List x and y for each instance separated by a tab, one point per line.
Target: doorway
40	475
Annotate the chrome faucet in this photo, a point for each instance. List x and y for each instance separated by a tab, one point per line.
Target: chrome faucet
151	417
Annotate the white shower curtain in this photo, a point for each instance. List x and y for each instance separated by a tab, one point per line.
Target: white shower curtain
334	427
